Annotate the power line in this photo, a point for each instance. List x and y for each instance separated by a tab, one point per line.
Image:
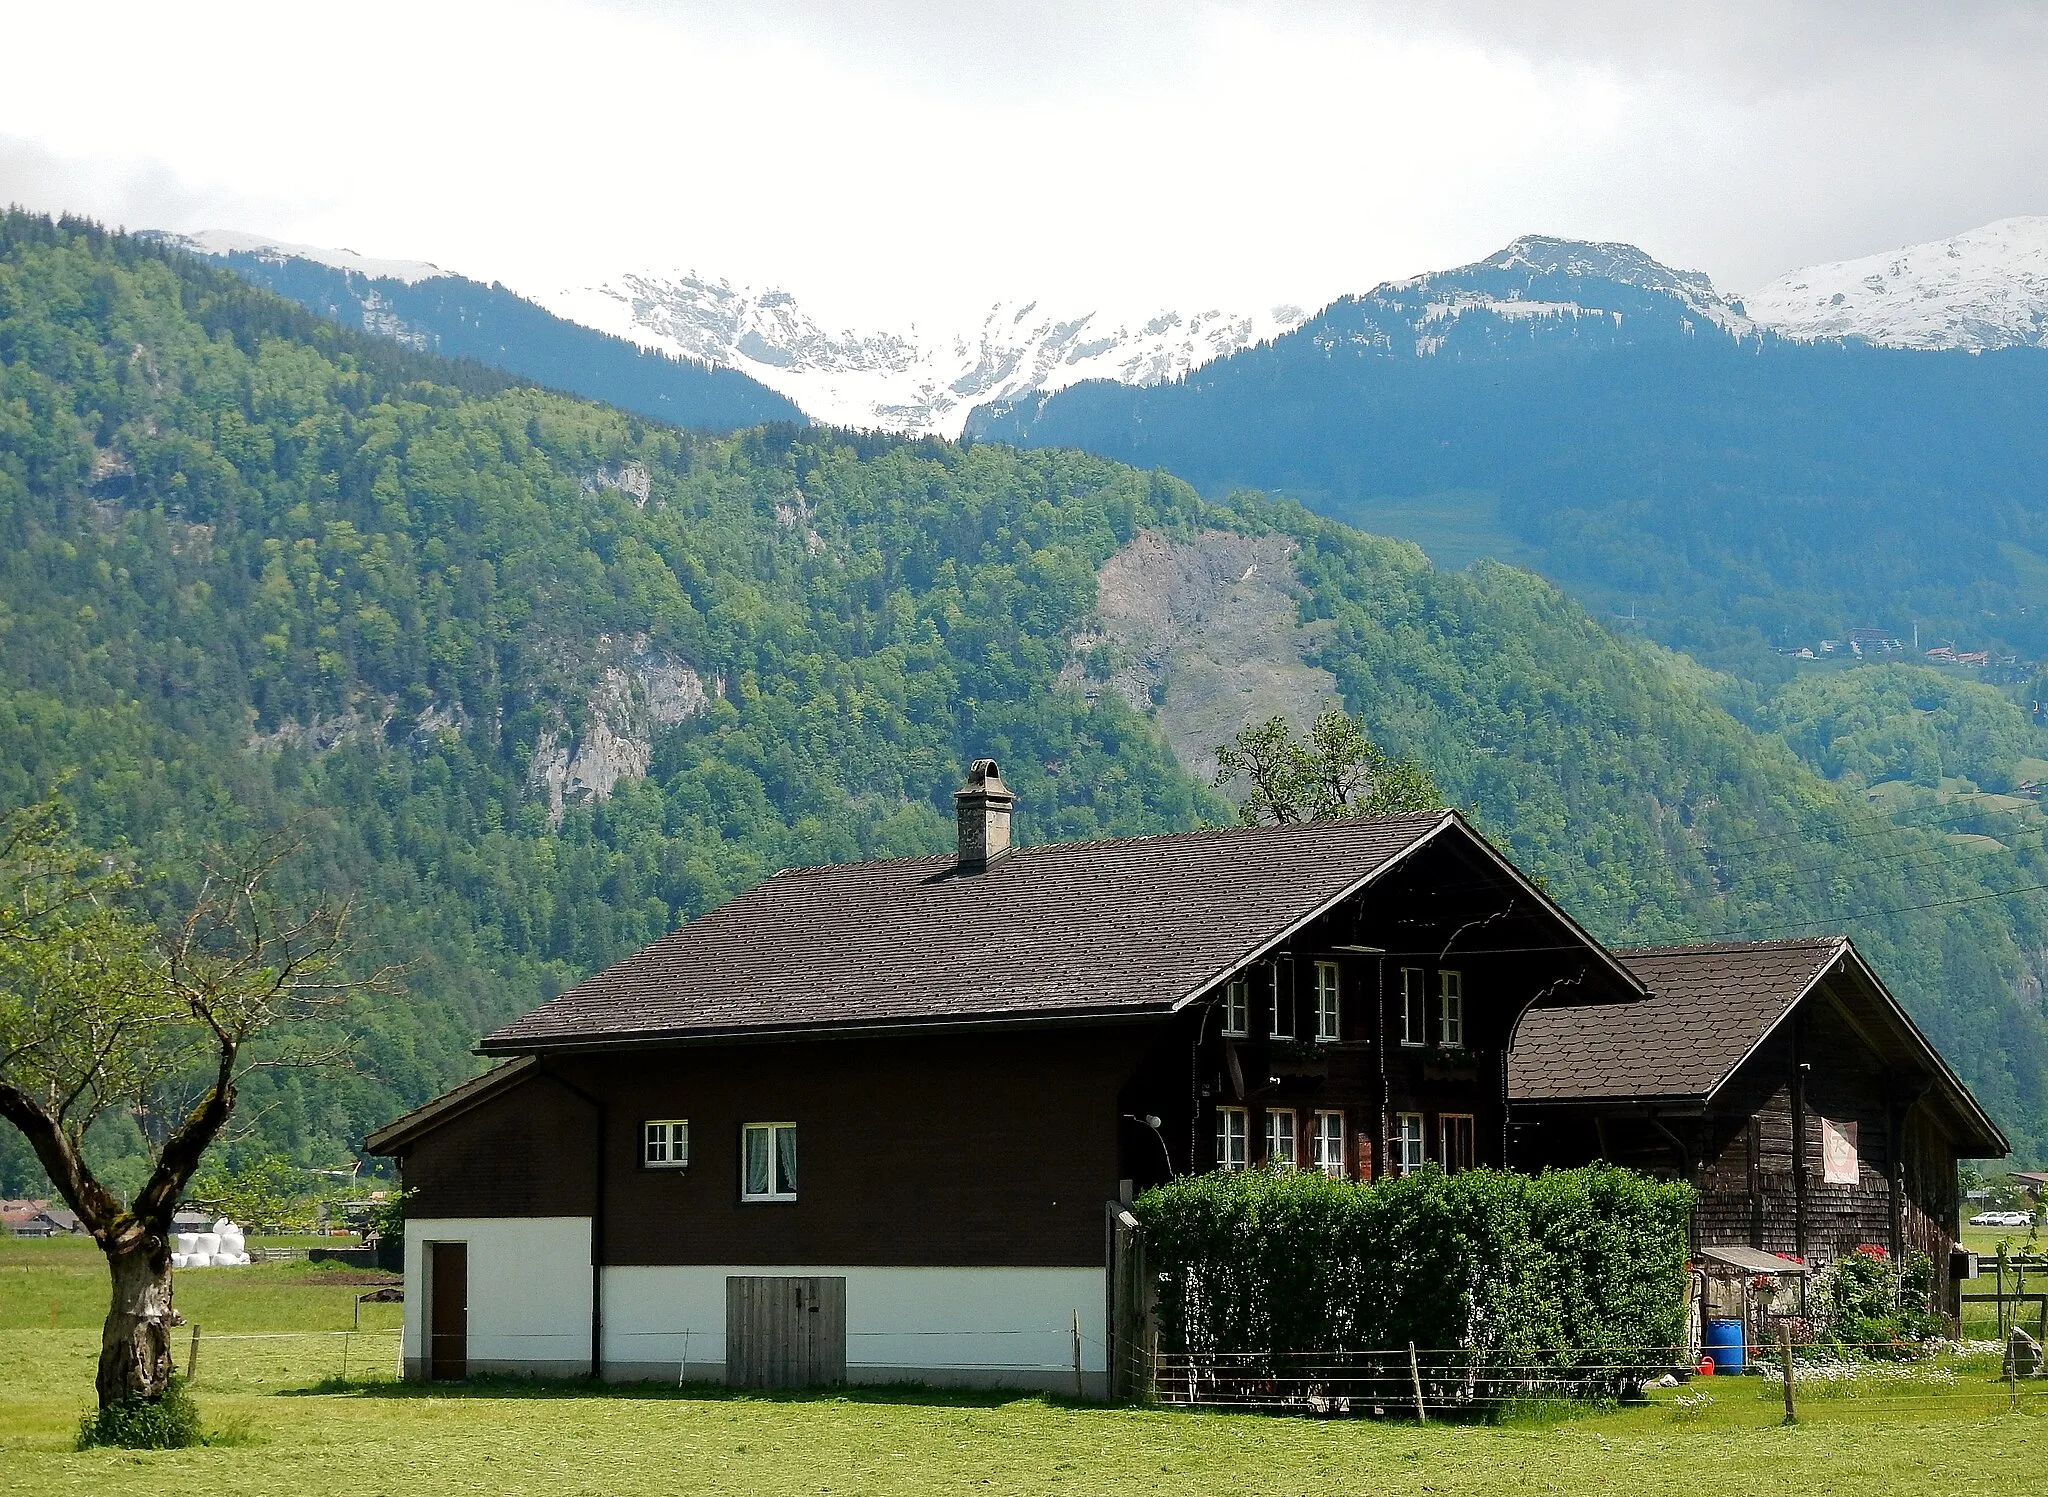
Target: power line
1904	909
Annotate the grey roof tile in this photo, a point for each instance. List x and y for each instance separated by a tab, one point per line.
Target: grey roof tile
1707	1008
1083	928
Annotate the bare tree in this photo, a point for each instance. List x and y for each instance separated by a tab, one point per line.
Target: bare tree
1335	771
104	1013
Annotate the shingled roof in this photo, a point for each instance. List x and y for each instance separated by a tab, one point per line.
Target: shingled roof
1708	1008
1081	929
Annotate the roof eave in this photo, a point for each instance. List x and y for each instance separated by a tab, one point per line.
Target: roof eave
396	1134
1450	818
585	1042
1972	1110
1691	1101
1813	980
1844	948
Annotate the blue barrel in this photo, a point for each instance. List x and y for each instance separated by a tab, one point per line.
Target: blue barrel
1723	1342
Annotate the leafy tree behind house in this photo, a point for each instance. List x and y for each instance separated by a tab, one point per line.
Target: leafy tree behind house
1333	771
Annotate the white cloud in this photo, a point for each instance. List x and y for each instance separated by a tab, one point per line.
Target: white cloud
907	158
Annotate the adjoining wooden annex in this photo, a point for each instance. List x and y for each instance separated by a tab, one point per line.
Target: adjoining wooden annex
1781	1079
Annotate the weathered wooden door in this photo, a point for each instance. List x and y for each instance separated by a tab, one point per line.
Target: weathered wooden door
448	1311
784	1332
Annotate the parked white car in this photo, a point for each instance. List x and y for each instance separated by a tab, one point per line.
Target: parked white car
2002	1219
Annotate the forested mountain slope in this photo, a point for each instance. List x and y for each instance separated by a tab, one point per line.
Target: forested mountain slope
1631	434
538	679
465	319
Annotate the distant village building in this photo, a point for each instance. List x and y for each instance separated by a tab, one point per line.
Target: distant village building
868	1122
26	1218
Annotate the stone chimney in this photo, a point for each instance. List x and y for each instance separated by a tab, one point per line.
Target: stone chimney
983	808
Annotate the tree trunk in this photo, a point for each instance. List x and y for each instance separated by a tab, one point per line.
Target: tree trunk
135	1345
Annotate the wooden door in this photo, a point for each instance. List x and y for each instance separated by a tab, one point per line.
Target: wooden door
784	1332
448	1311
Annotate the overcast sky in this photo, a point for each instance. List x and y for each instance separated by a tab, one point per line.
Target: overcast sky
903	159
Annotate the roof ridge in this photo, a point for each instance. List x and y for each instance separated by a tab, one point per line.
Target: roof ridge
1215	832
1783	943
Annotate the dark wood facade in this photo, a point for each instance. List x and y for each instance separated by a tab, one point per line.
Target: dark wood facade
996	1148
1449	915
1835	1131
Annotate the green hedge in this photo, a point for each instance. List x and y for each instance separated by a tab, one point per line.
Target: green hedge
1574	1269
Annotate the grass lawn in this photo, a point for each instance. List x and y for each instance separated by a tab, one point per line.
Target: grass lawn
299	1429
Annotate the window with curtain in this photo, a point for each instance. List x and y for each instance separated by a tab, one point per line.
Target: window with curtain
1232	1138
1329	1144
1328	1017
1237	1007
1414	1017
768	1162
1408	1142
1451	1019
1283	1000
1280	1137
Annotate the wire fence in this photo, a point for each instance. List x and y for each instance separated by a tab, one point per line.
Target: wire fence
265	1359
1465	1383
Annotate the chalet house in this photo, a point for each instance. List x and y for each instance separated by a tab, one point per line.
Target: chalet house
862	1122
1780	1078
38	1219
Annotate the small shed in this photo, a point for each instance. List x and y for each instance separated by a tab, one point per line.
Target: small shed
1749	1285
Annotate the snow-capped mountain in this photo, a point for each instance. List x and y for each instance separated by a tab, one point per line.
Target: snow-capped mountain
917	380
221	243
1981	290
1537	289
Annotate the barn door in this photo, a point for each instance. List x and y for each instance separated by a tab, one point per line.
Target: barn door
784	1333
448	1311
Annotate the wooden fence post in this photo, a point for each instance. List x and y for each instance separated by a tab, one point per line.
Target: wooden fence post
1077	1353
1785	1351
192	1355
1415	1377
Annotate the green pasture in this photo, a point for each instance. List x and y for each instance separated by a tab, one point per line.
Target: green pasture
295	1424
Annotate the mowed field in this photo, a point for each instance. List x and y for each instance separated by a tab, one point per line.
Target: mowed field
295	1425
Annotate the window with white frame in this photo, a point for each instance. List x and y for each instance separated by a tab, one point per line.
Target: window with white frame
1329	1144
1454	1130
1451	1010
1407	1141
1280	1137
768	1162
1283	1000
1414	1008
1232	1138
1237	1007
665	1144
1328	1002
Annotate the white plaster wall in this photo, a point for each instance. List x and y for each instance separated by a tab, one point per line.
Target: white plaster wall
998	1325
529	1290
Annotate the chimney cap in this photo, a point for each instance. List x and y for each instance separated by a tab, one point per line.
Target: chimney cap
985	778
